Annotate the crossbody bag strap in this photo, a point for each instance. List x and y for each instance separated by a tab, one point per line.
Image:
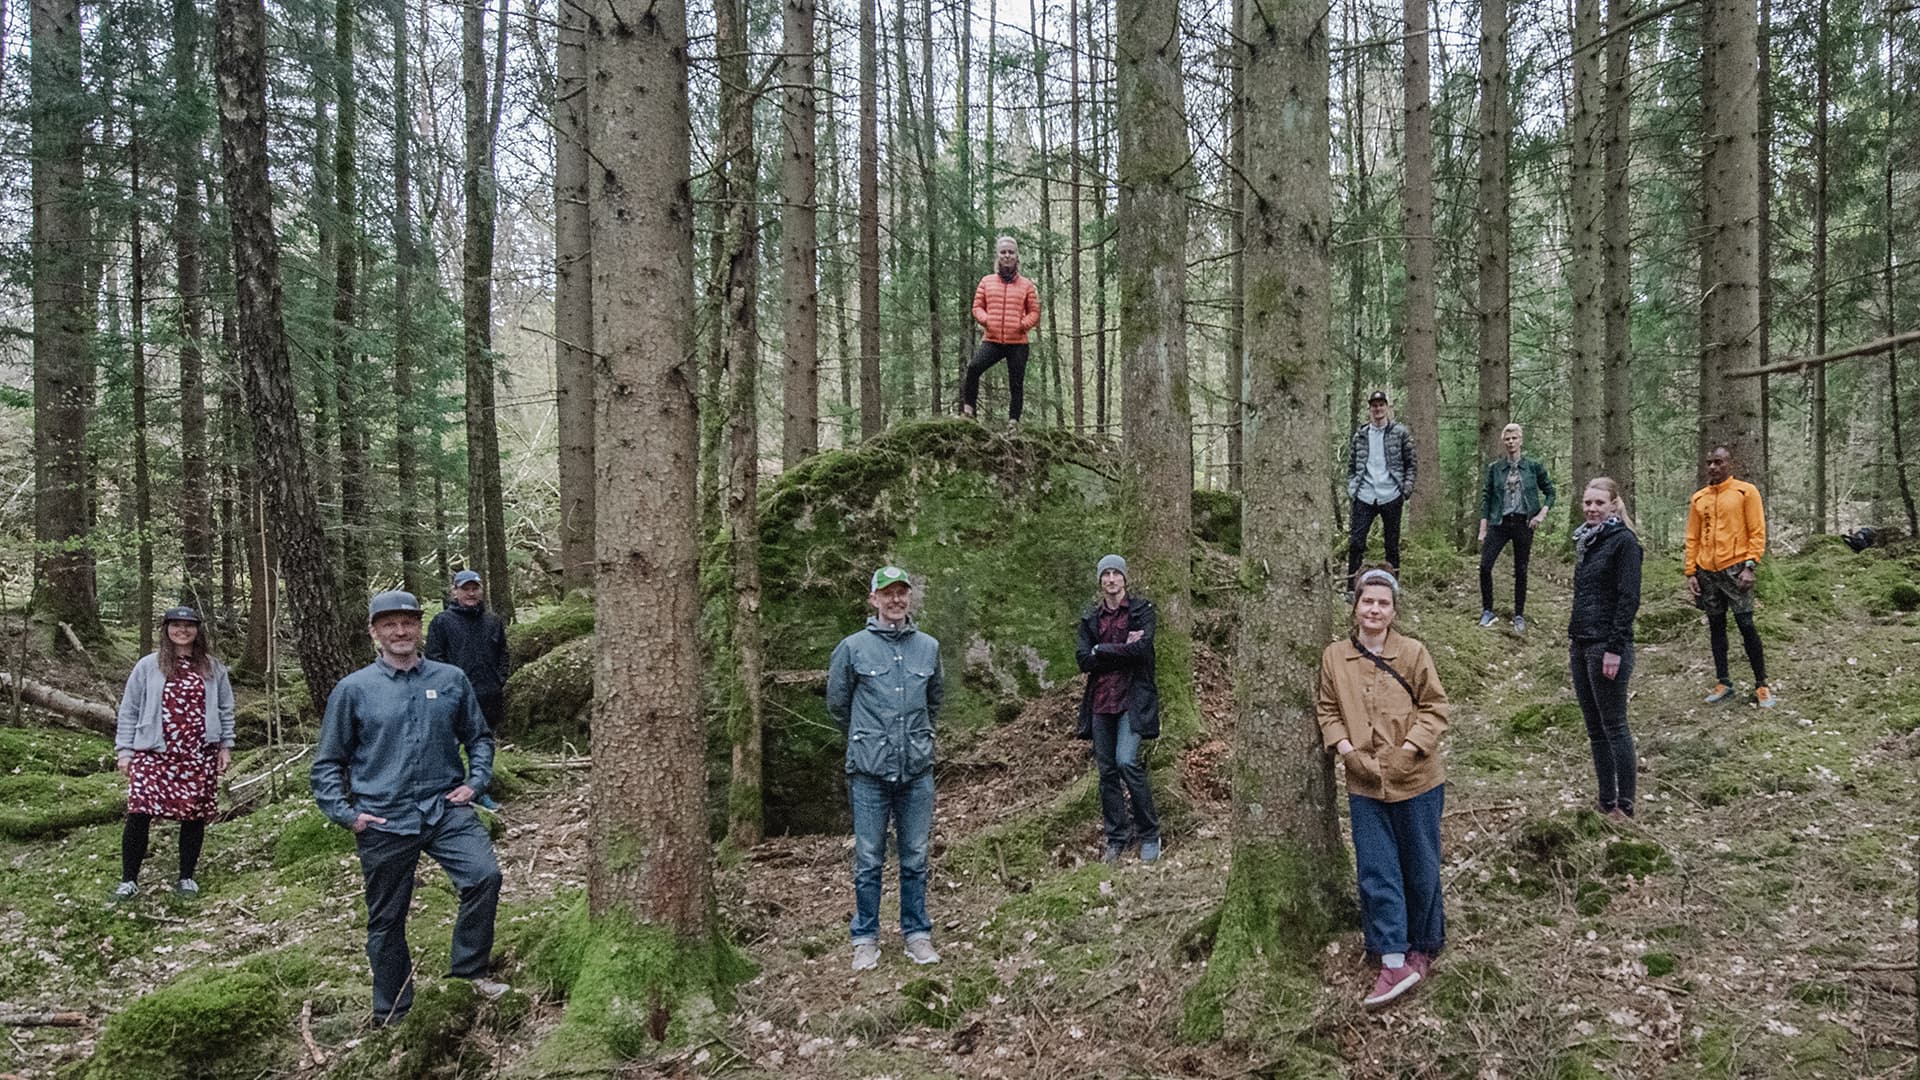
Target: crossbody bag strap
1381	663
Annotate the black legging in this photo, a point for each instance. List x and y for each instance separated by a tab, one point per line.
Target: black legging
1749	637
133	845
988	354
1513	527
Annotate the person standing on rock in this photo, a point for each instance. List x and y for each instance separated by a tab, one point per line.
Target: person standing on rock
396	728
1726	536
1381	468
1382	709
1006	305
473	639
1513	502
1120	707
884	688
173	740
1606	597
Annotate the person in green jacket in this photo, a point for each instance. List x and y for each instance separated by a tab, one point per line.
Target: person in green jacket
1515	500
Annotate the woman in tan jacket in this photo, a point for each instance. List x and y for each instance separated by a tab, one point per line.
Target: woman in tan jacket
1381	707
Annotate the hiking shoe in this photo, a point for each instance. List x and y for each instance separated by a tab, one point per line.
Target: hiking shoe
866	955
491	989
188	888
125	891
1488	618
1391	983
1619	816
920	950
1519	624
1763	697
1720	692
1112	854
1149	850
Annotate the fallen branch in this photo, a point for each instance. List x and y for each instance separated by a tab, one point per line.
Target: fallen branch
563	763
73	639
92	715
1907	966
1795	363
66	1018
306	1033
1495	808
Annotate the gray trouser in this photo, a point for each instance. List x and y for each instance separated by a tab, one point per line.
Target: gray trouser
459	843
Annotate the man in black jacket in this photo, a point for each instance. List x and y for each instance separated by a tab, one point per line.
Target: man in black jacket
473	639
1120	707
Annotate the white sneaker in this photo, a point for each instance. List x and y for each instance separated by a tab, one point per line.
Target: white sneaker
920	950
866	955
125	890
187	887
490	988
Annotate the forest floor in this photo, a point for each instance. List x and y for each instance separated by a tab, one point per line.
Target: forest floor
1758	920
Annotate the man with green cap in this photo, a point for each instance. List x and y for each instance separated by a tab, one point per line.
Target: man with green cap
388	766
883	690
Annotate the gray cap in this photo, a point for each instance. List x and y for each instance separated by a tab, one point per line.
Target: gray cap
465	576
1110	562
180	614
390	601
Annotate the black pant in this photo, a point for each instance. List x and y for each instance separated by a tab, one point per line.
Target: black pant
1116	750
1513	527
493	708
988	354
1363	514
1749	639
1603	702
458	842
133	845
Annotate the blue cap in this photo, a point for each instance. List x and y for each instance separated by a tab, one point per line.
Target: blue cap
180	614
465	576
390	601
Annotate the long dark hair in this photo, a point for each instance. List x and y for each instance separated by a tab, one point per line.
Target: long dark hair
198	656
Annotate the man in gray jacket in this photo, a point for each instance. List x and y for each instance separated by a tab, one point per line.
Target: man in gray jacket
1380	472
883	690
388	766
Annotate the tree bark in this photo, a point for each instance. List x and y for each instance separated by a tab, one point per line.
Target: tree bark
1730	254
1047	351
1616	287
290	506
1585	204
196	510
573	301
62	321
871	420
1237	265
486	514
91	715
927	147
799	239
647	830
1287	882
1157	477
1073	218
142	467
1821	173
354	521
1495	235
1418	341
1763	227
407	523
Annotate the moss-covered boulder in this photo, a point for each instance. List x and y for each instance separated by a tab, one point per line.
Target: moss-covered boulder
40	804
211	1024
548	700
54	751
553	627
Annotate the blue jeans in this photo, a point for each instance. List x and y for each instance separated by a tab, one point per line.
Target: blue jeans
1396	848
1116	750
1603	702
910	804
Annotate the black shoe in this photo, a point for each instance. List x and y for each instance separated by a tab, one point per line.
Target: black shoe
1112	854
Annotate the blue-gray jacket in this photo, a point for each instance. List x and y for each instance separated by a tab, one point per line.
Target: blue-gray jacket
141	726
884	688
390	745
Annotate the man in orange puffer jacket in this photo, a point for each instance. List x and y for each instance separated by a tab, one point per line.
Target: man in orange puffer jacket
1006	305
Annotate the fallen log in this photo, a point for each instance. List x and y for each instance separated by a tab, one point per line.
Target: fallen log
42	1019
90	715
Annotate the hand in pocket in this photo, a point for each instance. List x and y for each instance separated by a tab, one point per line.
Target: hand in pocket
1361	766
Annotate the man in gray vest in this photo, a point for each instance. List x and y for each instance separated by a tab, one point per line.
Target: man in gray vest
1380	472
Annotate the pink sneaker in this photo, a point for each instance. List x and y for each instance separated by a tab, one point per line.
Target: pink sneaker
1391	984
1421	963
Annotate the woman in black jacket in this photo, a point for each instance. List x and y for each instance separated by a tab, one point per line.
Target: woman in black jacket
1606	596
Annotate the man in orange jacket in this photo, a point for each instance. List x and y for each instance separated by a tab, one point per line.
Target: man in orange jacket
1006	305
1726	535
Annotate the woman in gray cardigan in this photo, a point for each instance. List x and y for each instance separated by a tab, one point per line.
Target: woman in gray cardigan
175	738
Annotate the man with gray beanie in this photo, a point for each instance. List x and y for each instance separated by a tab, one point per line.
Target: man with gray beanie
1120	707
388	766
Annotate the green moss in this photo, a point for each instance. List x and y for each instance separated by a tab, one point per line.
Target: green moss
1637	857
1468	988
1659	965
1020	848
1590	898
1538	718
1823	994
51	750
531	639
1216	519
941	1003
550	699
1574	1065
207	1024
311	835
435	1039
36	804
1489	760
1903	596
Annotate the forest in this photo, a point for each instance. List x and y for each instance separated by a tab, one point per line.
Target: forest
667	322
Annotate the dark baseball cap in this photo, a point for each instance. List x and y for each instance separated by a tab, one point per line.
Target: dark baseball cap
180	614
1376	396
465	576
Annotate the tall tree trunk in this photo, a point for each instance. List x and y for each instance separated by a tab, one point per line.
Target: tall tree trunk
799	240
486	515
1763	225
142	468
354	521
62	319
1821	173
1730	255
1048	359
241	69
899	217
740	333
927	146
1495	235
326	227
1585	202
405	259
1418	341
1895	435
1237	264
991	150
649	865
1616	448
196	511
1287	881
871	420
1073	218
1102	238
1157	475
573	300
